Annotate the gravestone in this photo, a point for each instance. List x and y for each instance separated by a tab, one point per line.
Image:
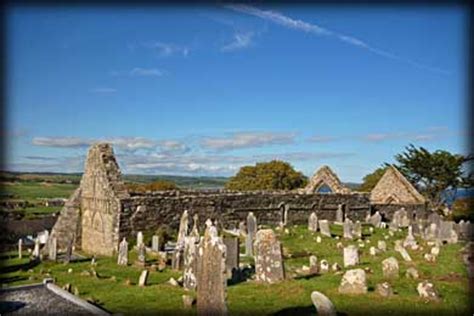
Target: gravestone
155	243
123	253
251	232
323	305
211	274
324	228
390	268
143	278
232	256
195	230
353	282
351	256
324	266
339	214
177	258
36	249
183	229
447	232
52	248
139	239
141	258
403	252
190	262
268	258
410	240
357	230
347	229
432	232
313	222
20	248
70	245
313	265
242	229
427	291
384	289
434	218
376	219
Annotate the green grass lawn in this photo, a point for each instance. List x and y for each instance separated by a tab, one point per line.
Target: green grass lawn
289	297
32	191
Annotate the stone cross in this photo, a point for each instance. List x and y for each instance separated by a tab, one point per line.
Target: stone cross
324	228
268	257
313	222
155	243
143	278
52	248
123	253
36	250
139	239
251	231
211	274
351	256
339	214
232	256
190	262
347	229
20	248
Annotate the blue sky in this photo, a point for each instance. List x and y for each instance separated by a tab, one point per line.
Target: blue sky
203	90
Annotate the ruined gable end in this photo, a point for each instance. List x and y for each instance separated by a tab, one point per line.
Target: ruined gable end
325	181
394	188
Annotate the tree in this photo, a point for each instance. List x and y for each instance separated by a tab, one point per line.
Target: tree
371	179
160	185
273	175
433	173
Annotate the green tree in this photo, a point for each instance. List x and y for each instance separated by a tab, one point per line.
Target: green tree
370	180
433	173
273	175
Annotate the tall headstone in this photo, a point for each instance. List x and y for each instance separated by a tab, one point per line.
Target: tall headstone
211	274
313	222
410	240
139	238
376	219
195	229
190	262
123	253
20	248
155	243
141	259
357	230
36	249
52	248
347	229
232	256
268	257
324	228
183	229
143	278
70	245
251	232
339	214
242	229
351	256
286	209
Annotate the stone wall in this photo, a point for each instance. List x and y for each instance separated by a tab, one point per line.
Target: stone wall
148	212
413	210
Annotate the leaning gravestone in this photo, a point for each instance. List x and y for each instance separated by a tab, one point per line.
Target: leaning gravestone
123	253
390	268
351	256
155	243
143	278
353	282
20	248
251	231
347	229
211	274
268	258
52	248
339	214
232	256
323	305
324	228
313	222
376	219
190	262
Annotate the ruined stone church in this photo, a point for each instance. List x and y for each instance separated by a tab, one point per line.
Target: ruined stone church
102	211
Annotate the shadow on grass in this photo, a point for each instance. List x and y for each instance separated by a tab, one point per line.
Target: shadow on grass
23	266
307	276
12	279
301	310
239	276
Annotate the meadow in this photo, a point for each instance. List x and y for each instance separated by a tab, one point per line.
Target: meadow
110	290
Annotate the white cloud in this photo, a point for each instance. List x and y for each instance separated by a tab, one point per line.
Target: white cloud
300	25
172	146
322	139
167	49
124	143
61	142
248	140
146	72
241	40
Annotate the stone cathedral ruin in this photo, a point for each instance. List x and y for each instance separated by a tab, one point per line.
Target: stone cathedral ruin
101	212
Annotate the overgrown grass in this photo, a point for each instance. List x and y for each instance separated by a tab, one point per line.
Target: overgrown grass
290	297
32	191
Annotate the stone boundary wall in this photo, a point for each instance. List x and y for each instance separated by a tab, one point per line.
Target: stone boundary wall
387	210
149	211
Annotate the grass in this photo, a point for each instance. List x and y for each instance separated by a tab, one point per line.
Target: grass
33	191
291	296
